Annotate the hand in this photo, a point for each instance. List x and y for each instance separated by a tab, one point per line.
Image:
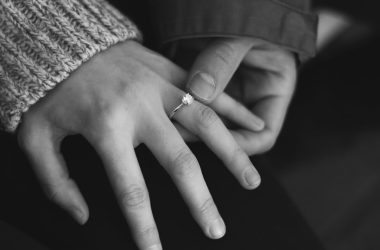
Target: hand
118	100
260	75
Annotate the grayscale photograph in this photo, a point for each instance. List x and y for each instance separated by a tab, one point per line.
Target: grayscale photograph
189	125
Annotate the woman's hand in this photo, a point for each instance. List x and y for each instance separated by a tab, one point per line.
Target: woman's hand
118	100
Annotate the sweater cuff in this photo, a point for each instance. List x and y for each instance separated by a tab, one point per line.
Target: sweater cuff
42	42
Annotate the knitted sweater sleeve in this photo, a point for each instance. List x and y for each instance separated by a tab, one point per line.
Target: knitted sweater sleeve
43	41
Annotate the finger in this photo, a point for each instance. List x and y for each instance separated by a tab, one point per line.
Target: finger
131	192
234	111
203	122
181	164
273	111
185	134
43	151
215	66
223	104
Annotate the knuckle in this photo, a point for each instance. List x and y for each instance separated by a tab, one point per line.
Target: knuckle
238	156
224	52
132	197
184	163
53	192
208	207
107	122
106	112
206	116
148	233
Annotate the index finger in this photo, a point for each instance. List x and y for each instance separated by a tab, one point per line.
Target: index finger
273	111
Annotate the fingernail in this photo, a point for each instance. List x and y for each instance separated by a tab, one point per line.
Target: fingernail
217	229
257	123
252	178
80	216
202	85
155	247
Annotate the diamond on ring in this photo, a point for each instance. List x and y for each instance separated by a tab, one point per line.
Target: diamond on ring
187	100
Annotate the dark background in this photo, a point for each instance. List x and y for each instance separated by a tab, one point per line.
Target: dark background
262	219
328	155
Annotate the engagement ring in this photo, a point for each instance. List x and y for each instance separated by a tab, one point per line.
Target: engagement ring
187	99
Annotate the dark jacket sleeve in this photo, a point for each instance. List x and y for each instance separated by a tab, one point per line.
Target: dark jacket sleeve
288	23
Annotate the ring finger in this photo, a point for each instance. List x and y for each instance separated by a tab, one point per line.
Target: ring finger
205	123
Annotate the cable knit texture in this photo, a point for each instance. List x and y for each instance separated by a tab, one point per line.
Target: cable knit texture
42	41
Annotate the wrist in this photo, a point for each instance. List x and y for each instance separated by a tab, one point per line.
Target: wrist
53	42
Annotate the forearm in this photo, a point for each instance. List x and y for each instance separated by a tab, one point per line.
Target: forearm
42	42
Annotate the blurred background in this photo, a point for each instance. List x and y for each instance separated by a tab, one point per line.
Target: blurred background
328	155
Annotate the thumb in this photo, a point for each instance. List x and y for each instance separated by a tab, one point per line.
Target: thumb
43	151
215	66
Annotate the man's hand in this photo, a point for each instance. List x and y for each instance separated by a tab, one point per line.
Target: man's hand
260	75
118	100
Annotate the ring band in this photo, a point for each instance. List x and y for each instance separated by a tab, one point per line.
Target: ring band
187	100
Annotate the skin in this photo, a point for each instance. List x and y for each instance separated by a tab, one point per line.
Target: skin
118	100
259	75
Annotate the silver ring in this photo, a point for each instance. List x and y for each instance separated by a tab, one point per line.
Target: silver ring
187	100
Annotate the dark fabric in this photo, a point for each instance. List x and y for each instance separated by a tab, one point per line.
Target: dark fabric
287	23
301	5
13	239
328	155
263	219
283	23
367	11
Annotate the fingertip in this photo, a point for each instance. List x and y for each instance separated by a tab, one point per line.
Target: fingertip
253	122
258	124
80	216
252	179
73	200
155	247
217	229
